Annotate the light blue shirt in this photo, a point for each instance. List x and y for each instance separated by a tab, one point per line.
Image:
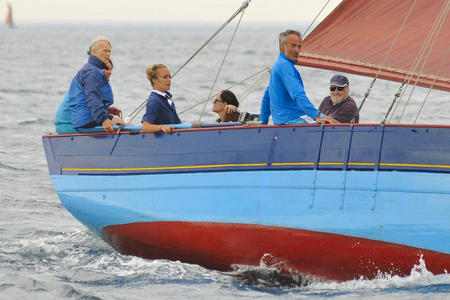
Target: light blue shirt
285	98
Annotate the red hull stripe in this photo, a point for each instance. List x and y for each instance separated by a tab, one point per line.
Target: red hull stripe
220	245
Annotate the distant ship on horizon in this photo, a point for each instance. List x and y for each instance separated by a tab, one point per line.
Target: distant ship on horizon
9	17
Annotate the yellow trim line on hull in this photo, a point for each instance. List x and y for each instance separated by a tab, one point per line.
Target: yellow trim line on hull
254	165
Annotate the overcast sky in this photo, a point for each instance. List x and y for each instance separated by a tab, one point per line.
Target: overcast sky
163	10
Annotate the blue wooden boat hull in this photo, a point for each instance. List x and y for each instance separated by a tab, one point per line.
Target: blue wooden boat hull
379	194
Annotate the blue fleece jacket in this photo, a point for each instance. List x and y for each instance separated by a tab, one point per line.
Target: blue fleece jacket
85	94
159	111
285	97
63	117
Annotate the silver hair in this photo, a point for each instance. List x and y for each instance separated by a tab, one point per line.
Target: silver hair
284	34
94	43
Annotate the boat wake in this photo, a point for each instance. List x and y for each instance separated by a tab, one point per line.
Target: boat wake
272	272
262	277
79	261
269	276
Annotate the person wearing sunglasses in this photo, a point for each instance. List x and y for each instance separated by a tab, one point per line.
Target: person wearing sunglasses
339	105
225	105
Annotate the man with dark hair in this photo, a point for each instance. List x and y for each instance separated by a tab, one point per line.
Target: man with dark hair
285	98
339	105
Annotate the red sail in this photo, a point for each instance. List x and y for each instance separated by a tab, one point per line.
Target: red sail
401	40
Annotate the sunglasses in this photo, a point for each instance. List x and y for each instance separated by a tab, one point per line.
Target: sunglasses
339	88
217	100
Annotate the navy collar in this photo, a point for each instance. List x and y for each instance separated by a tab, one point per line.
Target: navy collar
97	62
165	94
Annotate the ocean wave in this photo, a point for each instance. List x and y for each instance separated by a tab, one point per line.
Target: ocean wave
34	122
8	167
271	279
80	259
27	91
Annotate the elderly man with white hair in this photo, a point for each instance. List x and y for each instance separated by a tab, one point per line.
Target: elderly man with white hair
85	93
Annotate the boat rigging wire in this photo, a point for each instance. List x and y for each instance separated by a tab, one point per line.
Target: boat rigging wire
396	96
366	95
310	25
230	87
224	58
432	84
412	72
254	86
243	6
384	61
434	34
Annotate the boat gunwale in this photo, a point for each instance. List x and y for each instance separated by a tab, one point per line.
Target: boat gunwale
53	135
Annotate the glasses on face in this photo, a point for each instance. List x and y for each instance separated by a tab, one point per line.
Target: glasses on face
339	88
217	100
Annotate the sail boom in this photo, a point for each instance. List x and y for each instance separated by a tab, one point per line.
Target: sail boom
372	70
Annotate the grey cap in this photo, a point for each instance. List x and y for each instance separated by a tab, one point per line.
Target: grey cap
339	80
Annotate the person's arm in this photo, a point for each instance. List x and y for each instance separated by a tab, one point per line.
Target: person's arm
112	110
108	100
230	108
321	118
150	119
107	124
294	85
265	107
151	128
92	89
107	94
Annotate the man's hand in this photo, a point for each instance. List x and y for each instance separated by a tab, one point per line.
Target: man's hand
108	125
166	129
230	108
326	119
153	128
116	120
114	111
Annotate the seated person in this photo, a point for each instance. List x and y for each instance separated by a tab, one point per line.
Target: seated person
85	96
160	106
285	97
339	105
63	118
225	105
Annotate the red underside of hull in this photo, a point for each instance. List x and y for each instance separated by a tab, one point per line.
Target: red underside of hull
220	245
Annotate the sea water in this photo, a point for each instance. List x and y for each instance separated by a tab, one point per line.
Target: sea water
46	254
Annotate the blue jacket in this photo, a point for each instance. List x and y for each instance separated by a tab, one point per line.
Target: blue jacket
285	97
64	113
159	111
85	94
